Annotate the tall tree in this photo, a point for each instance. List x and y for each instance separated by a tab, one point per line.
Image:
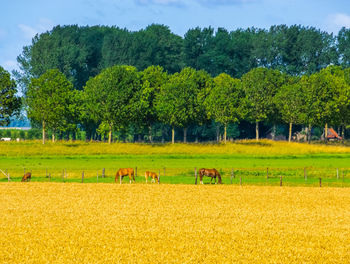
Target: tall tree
180	102
290	101
48	99
9	103
152	78
260	86
108	96
225	103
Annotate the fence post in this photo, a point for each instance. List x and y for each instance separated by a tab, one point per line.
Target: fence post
320	182
337	174
49	177
195	175
8	176
158	176
281	180
136	171
305	174
82	177
103	173
267	173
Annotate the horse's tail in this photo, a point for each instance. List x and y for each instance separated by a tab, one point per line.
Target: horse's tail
219	178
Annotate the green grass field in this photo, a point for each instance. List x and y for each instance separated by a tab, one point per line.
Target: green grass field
248	159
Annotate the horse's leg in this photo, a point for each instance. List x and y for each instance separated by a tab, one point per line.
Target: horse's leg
211	179
201	179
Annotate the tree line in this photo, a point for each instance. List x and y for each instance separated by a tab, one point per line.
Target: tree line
120	98
72	78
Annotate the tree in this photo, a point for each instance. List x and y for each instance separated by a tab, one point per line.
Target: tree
108	96
225	103
9	103
325	94
180	102
260	86
290	101
48	99
152	78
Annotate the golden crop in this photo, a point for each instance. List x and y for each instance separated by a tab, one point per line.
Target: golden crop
248	147
138	223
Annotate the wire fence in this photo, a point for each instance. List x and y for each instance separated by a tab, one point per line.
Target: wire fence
308	176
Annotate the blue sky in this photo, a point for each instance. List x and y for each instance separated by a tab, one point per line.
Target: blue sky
20	20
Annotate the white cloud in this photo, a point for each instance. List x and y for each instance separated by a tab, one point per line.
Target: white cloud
160	2
336	21
225	2
28	31
9	65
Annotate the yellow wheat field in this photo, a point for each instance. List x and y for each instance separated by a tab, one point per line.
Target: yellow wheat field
112	223
241	147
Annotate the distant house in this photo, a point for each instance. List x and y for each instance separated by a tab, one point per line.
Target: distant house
332	135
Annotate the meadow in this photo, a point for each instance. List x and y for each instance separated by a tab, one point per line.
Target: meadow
249	160
112	223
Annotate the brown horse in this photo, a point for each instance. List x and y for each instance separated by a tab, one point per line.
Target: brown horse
213	173
125	172
26	177
153	175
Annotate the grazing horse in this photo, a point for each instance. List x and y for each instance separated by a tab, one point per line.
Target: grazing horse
153	175
124	172
213	173
26	177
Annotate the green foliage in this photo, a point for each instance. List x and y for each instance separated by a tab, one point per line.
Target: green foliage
9	103
180	102
108	96
49	100
260	86
225	103
290	102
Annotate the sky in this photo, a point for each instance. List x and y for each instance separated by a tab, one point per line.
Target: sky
21	20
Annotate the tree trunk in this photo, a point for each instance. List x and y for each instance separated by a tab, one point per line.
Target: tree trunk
217	133
43	132
53	136
257	131
110	135
225	133
172	135
325	132
309	134
274	132
343	131
290	132
162	134
185	134
139	138
150	134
